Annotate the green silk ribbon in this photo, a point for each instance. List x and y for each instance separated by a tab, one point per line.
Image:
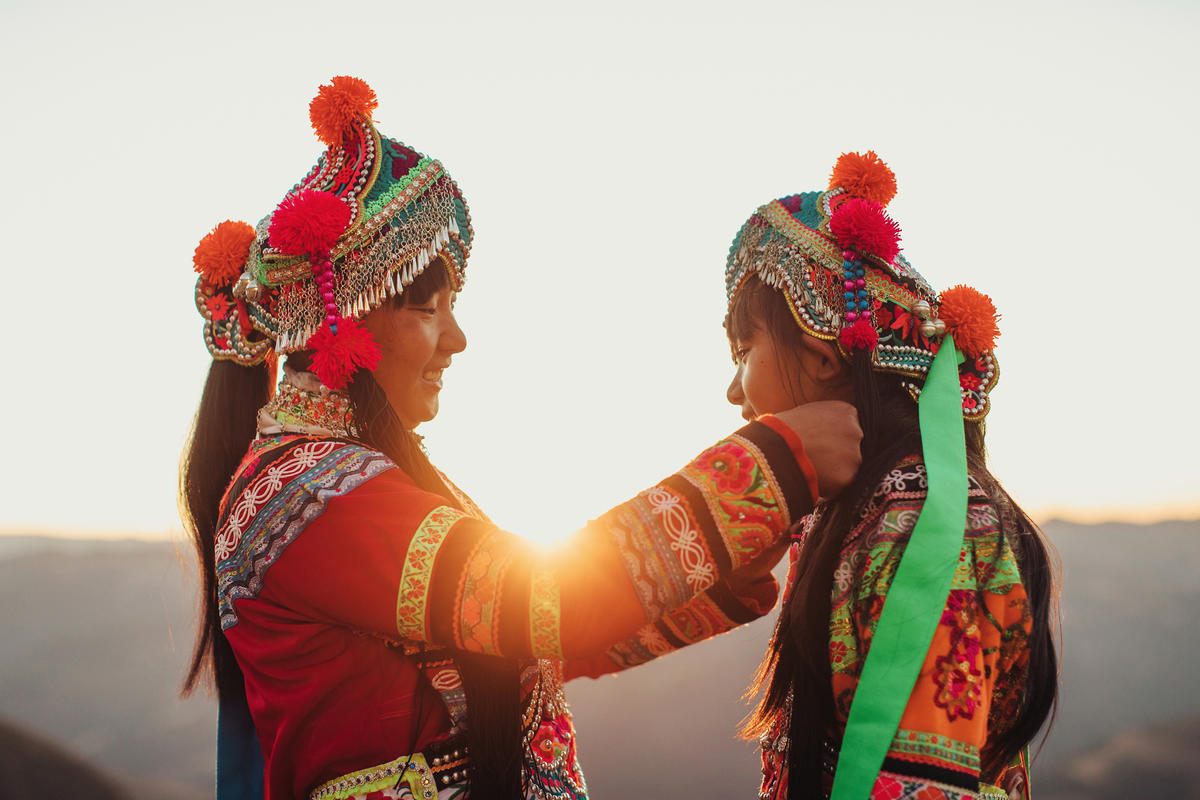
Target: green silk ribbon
913	606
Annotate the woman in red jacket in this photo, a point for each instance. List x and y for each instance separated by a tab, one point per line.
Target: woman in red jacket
371	632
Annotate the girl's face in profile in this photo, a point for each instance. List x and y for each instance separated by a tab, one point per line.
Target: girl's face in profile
761	384
773	377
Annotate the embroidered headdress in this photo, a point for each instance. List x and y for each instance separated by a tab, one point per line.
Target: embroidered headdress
359	228
835	255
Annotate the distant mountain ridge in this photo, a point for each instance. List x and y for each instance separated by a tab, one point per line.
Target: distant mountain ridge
97	635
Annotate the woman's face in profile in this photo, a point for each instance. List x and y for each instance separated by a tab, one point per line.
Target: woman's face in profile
417	342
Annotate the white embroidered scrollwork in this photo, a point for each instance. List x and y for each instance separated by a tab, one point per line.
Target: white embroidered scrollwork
700	572
263	489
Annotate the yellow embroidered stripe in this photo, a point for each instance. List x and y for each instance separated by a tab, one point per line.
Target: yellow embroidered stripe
812	243
885	289
479	595
545	615
412	598
413	770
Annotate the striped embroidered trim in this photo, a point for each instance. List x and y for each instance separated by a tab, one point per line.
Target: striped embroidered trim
812	243
932	748
646	645
645	549
413	770
884	288
278	505
698	620
264	488
478	598
413	596
907	787
545	615
686	541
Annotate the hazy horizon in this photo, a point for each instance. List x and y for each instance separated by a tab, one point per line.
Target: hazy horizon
1082	518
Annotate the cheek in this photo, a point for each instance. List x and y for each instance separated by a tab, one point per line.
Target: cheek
395	344
764	387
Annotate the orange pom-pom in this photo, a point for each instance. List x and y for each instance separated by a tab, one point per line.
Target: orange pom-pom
864	175
221	255
971	317
338	106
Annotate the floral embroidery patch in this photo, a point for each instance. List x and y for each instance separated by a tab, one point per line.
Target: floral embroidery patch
730	466
957	674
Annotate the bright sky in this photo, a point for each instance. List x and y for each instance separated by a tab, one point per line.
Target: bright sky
1044	151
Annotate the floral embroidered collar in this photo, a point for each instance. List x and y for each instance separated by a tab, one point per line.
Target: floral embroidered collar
303	405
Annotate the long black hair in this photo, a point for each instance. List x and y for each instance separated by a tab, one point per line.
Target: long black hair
224	427
797	659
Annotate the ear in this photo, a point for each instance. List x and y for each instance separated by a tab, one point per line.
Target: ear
822	360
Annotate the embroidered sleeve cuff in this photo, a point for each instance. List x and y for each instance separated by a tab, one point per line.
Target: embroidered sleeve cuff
746	602
788	461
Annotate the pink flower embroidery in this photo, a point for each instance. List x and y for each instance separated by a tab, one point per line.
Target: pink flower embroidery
729	466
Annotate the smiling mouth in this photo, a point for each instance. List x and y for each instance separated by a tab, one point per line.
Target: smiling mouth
433	376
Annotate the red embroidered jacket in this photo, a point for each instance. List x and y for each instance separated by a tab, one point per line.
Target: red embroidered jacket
340	581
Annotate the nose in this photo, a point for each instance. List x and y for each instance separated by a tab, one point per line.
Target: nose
452	340
734	393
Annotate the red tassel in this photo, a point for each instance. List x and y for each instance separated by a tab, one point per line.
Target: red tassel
863	226
337	356
859	336
308	223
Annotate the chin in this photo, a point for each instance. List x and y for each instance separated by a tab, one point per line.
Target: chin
422	416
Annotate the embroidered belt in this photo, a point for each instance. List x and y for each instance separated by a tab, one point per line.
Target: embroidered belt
442	764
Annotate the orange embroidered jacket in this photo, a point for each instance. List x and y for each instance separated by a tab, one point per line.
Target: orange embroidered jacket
970	685
340	583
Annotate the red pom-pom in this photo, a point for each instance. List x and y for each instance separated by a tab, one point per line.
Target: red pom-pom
859	336
971	317
863	226
221	255
337	356
339	105
864	175
308	223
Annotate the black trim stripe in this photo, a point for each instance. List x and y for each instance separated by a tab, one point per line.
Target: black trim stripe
730	606
962	780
